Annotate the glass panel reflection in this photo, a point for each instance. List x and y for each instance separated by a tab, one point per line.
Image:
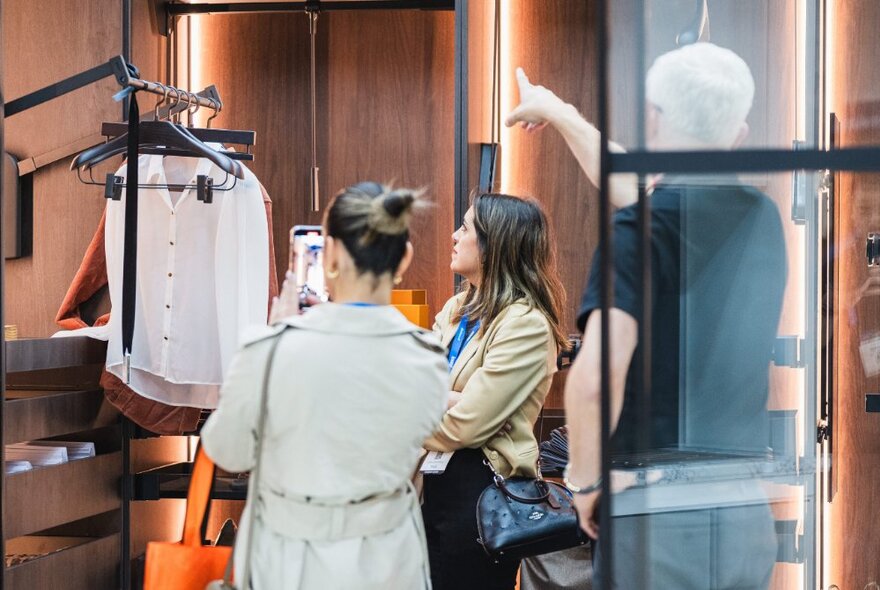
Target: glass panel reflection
714	468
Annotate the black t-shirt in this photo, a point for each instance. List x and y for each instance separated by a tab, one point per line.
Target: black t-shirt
718	273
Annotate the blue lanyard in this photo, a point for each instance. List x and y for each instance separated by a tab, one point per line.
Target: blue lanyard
462	336
361	304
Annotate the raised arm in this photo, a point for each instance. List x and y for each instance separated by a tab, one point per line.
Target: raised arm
540	107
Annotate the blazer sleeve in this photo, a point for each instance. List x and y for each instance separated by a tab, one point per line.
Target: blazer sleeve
229	436
514	365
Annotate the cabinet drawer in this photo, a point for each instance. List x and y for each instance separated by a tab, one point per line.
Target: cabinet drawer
50	496
72	563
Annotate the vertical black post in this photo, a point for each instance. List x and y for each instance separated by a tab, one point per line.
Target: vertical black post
126	492
125	427
606	298
644	348
644	354
126	46
461	116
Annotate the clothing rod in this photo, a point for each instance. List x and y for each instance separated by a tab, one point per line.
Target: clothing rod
156	88
174	9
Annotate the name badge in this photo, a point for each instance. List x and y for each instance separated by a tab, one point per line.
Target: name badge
435	462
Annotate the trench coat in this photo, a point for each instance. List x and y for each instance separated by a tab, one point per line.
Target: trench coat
353	393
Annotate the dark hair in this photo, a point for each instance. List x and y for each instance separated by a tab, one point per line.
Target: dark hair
372	220
518	261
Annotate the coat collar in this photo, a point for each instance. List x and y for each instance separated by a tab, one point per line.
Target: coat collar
337	318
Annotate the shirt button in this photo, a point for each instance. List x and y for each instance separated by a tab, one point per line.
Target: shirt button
169	274
172	243
165	337
167	307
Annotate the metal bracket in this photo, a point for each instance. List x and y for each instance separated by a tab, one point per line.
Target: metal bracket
872	249
799	189
823	432
115	67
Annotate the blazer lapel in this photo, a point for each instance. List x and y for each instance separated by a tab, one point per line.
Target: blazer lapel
464	358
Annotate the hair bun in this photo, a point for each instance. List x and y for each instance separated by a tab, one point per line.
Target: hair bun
391	211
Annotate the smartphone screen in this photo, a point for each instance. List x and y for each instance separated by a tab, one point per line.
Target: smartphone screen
306	260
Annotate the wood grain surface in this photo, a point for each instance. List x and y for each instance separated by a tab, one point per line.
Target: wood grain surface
385	113
854	541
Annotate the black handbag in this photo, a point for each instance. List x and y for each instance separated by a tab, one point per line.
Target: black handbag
522	517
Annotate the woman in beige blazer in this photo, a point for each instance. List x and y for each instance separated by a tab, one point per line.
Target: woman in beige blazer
502	337
354	390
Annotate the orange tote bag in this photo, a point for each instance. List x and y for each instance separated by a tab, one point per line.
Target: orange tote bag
188	565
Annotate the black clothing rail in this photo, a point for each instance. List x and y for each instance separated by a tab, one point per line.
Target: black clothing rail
127	77
175	9
855	159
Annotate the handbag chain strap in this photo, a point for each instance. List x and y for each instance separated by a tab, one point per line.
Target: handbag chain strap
499	479
255	472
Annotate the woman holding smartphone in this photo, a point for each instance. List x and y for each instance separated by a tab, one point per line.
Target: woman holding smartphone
502	335
354	390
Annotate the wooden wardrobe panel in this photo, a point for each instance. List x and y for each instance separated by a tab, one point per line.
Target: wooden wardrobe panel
259	63
856	83
385	113
45	41
66	214
149	49
553	41
391	118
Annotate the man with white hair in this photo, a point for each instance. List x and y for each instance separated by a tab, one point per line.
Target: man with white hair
718	270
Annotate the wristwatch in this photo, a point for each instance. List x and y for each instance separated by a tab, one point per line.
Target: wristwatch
581	490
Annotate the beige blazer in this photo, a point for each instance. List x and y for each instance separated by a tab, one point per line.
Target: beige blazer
503	376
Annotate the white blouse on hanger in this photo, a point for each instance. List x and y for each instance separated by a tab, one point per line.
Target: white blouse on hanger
202	277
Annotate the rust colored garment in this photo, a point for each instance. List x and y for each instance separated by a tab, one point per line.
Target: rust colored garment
89	279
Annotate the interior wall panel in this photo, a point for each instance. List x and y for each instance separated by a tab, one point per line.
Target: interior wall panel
552	41
856	92
385	112
45	41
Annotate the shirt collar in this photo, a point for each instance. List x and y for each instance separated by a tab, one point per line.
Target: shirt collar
154	167
336	318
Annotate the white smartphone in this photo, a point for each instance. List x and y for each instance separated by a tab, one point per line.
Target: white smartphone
306	261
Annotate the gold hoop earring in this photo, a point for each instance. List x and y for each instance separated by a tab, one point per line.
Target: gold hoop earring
397	280
332	274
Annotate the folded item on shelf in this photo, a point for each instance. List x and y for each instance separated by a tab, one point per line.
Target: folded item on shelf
12	467
39	456
75	449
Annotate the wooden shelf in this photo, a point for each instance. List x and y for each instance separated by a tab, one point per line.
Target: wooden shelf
63	566
31	415
50	496
40	354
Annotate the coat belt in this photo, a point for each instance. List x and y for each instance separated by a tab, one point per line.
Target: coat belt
310	520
